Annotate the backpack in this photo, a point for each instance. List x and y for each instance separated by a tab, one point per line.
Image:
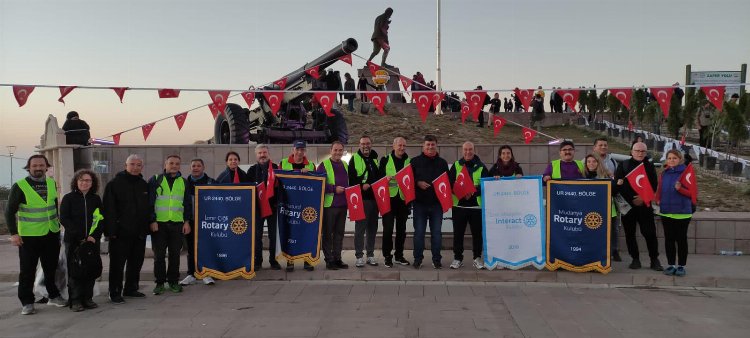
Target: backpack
86	263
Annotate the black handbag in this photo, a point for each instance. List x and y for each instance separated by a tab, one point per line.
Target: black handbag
87	263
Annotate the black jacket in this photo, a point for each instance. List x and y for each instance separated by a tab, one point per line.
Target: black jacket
373	173
625	168
76	132
472	166
227	176
427	169
259	174
127	212
77	215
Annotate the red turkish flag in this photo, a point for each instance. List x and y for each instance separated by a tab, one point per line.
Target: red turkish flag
664	97
281	83
313	71
120	91
274	100
64	91
622	94
405	180
326	100
346	58
382	195
570	96
22	94
688	180
465	111
214	110
116	138
464	185
442	187
271	180
630	125
525	96
378	100
249	98
354	203
423	101
373	67
265	205
528	134
715	94
437	99
682	140
219	97
498	123
643	189
168	93
406	82
180	119
476	101
147	130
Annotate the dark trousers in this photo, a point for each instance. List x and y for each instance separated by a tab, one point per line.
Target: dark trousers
125	251
644	216
366	228
614	235
424	213
169	237
398	215
270	222
79	289
675	232
480	119
190	242
462	216
334	220
704	135
35	249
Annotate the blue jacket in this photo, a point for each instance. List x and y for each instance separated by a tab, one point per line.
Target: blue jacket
673	201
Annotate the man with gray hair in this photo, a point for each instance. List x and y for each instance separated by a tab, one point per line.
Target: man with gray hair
259	173
127	214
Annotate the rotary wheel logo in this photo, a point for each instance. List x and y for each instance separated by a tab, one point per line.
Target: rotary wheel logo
593	220
238	225
309	214
529	220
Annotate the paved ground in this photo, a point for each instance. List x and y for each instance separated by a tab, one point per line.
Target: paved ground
395	309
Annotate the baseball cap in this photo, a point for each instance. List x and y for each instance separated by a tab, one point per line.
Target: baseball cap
300	144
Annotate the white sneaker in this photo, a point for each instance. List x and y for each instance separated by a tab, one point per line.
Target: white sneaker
208	280
372	261
360	262
478	263
189	280
28	309
456	264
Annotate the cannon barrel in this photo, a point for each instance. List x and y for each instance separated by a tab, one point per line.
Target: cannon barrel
294	78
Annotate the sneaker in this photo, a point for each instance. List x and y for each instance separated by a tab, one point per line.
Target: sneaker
456	264
89	304
360	262
680	271
116	299
341	265
388	262
616	256
417	265
309	267
133	294
208	280
159	289
189	280
331	266
175	287
656	265
636	264
275	265
372	261
57	301
670	270
289	267
478	264
437	265
76	307
401	261
28	309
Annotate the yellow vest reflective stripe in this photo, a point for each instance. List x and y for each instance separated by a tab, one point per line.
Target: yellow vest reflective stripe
168	206
390	170
37	217
286	165
360	167
557	173
476	177
331	179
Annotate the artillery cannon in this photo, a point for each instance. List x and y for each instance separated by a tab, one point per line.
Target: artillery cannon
240	125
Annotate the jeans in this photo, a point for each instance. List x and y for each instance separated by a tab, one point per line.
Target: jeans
422	214
125	251
399	213
462	217
35	249
169	237
367	227
270	222
334	220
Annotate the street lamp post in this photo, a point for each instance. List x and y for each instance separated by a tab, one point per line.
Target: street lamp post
11	152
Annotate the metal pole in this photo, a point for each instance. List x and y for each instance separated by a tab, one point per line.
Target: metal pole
437	70
11	151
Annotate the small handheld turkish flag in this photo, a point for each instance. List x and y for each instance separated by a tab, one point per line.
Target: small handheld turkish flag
378	100
465	111
688	180
265	205
464	185
22	94
219	97
382	195
249	98
639	182
715	94
168	93
271	181
442	188
622	94
274	100
180	119
498	123
64	91
313	71
528	134
405	180
423	101
354	203
664	97
326	100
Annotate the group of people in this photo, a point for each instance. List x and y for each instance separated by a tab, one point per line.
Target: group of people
161	206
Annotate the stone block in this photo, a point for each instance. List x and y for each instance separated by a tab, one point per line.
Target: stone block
704	281
724	244
691	245
381	275
705	246
534	169
655	279
612	278
691	230
705	229
741	230
574	277
725	229
538	155
742	245
520	153
737	283
419	275
487	153
448	275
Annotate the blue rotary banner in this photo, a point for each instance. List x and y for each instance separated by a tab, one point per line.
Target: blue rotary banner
578	225
225	230
300	209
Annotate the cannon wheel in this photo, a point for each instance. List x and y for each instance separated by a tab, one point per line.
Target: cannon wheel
232	127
